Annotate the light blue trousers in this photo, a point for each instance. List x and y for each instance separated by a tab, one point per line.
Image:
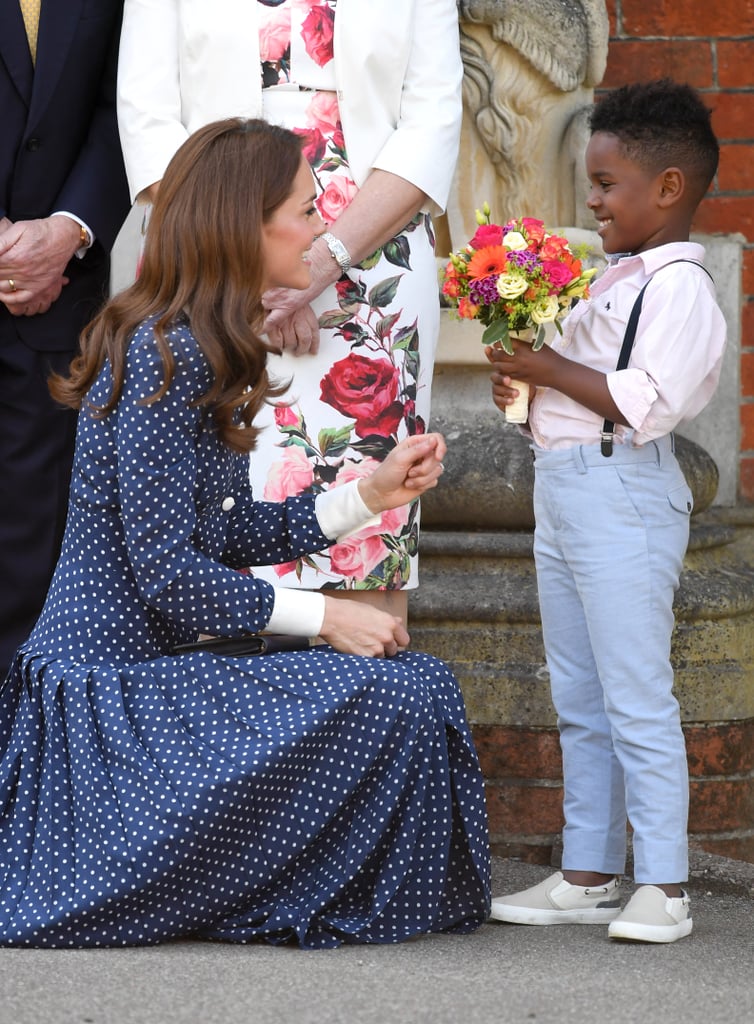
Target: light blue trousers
609	543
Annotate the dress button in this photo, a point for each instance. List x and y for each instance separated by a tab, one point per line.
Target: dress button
32	145
228	504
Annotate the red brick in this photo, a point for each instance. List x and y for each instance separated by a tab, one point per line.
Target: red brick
517	811
638	60
746	479
739	847
726	214
720	749
690	18
537	850
747	278
747	428
736	170
612	16
507	751
732	114
734	60
747	378
747	324
721	805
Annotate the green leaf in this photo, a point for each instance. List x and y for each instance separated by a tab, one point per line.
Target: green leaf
383	293
397	252
407	338
371	261
333	318
332	441
498	332
385	325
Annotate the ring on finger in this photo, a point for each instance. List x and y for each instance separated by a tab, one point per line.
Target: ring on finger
12	284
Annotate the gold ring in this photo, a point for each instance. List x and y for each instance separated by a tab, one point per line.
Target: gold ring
12	284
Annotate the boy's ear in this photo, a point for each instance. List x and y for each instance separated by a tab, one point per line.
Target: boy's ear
672	186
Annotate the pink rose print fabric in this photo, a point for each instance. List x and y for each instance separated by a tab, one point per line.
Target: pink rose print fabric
369	385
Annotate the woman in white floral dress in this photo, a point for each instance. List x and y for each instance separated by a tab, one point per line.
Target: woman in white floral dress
375	90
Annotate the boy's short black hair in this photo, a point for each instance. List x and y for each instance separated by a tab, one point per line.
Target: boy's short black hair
662	124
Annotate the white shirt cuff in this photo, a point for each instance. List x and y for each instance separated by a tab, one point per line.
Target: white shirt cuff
72	216
341	511
300	613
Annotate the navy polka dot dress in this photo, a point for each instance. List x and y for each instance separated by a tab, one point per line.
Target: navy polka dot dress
307	797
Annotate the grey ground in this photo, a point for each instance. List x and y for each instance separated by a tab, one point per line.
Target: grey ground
503	974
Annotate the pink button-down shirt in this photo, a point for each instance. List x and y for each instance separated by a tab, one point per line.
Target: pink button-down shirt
675	362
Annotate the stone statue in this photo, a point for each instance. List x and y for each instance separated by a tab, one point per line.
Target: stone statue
530	70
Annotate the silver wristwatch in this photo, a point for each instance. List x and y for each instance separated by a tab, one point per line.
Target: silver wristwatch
337	250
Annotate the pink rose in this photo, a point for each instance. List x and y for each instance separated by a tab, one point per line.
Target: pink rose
558	274
284	568
487	234
274	32
323	112
317	33
356	557
285	416
365	390
336	197
291	476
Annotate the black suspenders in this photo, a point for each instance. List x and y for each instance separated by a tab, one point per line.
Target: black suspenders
608	427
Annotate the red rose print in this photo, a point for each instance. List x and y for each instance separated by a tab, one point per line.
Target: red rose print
367	391
317	33
314	145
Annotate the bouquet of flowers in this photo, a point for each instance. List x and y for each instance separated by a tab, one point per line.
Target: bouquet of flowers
514	278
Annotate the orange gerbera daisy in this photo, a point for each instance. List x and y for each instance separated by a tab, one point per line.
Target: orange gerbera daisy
488	262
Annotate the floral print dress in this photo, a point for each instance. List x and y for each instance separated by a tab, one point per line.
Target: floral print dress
369	384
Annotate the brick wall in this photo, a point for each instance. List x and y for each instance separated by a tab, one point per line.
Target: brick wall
710	45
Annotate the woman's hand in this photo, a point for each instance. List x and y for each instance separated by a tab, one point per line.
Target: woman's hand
289	327
356	628
291	324
412	467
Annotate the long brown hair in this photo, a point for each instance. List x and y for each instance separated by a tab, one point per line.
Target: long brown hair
202	257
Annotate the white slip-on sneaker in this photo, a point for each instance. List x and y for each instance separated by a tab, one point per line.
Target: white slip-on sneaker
651	916
556	901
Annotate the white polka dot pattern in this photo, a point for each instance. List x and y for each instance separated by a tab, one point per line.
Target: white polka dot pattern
307	797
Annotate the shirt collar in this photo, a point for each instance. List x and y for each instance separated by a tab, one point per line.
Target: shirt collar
661	255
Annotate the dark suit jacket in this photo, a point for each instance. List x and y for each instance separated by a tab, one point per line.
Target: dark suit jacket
59	147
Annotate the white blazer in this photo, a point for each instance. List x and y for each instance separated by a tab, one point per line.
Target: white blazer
184	63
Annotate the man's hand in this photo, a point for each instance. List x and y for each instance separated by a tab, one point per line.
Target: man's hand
33	256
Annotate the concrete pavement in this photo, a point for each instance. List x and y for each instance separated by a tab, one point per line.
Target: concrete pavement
502	973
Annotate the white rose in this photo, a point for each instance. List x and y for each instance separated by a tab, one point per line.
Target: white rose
546	311
510	286
514	240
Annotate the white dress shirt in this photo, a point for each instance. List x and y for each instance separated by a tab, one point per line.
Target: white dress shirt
675	362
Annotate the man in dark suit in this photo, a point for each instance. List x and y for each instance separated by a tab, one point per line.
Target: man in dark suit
63	198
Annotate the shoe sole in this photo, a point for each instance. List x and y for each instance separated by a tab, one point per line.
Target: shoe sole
528	915
632	931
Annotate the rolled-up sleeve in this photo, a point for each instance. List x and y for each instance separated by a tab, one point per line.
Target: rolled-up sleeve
677	358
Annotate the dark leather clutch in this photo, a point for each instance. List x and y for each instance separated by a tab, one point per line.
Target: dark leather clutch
242	646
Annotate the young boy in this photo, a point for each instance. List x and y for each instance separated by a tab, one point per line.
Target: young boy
612	529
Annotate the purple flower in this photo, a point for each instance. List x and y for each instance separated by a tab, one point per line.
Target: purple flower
524	259
484	292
